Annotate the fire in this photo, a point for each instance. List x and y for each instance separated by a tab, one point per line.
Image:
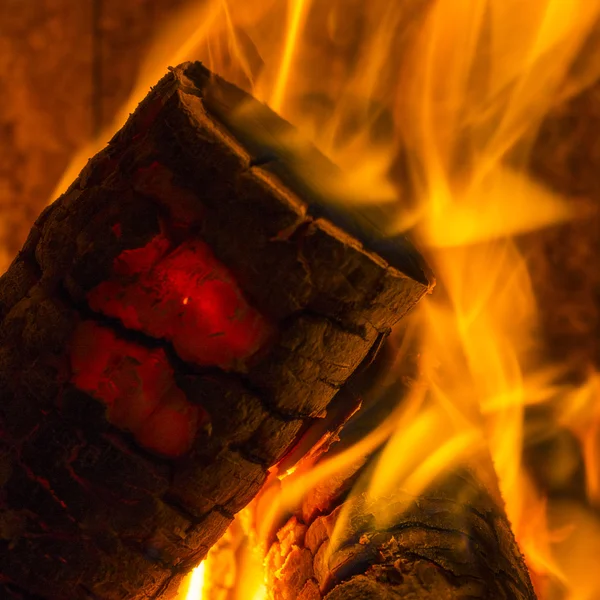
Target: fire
297	12
196	583
431	109
581	415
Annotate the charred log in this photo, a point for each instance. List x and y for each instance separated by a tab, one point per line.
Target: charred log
173	324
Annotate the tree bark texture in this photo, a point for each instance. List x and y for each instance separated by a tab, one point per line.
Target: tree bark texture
440	545
173	324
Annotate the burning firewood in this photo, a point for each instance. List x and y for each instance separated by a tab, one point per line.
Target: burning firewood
452	541
448	539
171	327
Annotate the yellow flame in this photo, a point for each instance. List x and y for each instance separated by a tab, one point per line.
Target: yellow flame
474	106
298	8
196	583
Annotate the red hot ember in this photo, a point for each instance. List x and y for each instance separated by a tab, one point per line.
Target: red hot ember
183	295
138	387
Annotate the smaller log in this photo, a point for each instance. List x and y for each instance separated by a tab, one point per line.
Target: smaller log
452	541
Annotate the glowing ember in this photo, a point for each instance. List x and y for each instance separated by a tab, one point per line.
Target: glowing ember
185	296
138	387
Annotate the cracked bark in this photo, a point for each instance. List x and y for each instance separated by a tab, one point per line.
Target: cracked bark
132	430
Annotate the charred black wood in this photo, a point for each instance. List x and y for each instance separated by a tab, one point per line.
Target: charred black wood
171	327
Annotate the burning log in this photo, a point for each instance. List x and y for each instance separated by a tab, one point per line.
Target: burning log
172	325
449	540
